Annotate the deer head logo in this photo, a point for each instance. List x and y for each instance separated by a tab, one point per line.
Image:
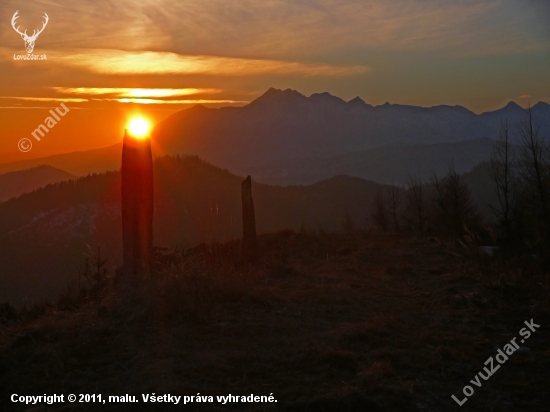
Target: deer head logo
29	40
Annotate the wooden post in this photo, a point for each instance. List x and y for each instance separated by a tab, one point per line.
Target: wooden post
137	207
250	243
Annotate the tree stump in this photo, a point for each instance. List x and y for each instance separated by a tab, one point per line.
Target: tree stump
137	207
250	243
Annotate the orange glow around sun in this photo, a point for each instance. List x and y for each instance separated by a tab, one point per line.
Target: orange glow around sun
139	128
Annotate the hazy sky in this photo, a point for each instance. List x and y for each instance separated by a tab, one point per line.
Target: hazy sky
109	58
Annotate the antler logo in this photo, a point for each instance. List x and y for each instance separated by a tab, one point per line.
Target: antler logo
29	40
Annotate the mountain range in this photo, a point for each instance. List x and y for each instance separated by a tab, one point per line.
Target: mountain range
320	146
284	137
285	126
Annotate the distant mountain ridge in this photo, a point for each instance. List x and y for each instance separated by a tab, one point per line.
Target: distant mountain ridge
78	163
282	125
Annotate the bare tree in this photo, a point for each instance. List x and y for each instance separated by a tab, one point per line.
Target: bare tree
380	212
415	203
503	165
454	210
347	223
394	199
535	173
250	241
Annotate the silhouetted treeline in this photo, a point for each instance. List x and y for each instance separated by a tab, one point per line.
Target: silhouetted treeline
443	205
18	211
522	182
518	198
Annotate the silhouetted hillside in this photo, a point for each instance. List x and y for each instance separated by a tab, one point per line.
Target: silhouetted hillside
195	202
14	184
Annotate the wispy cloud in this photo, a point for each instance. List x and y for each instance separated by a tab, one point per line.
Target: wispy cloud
274	28
161	101
525	96
34	107
45	99
133	92
121	62
91	23
126	92
305	27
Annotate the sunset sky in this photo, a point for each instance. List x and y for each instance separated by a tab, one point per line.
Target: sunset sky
107	60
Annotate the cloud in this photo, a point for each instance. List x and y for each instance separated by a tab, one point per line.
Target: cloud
89	23
525	96
133	92
33	107
304	27
121	62
160	101
45	99
277	29
126	92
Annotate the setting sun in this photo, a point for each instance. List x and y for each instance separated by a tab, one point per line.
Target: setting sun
138	127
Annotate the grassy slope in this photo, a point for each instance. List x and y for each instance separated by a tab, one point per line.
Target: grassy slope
325	323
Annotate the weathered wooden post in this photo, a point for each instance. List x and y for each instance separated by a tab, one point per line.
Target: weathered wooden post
250	242
137	206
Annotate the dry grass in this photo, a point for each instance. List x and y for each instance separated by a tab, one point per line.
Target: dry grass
324	322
